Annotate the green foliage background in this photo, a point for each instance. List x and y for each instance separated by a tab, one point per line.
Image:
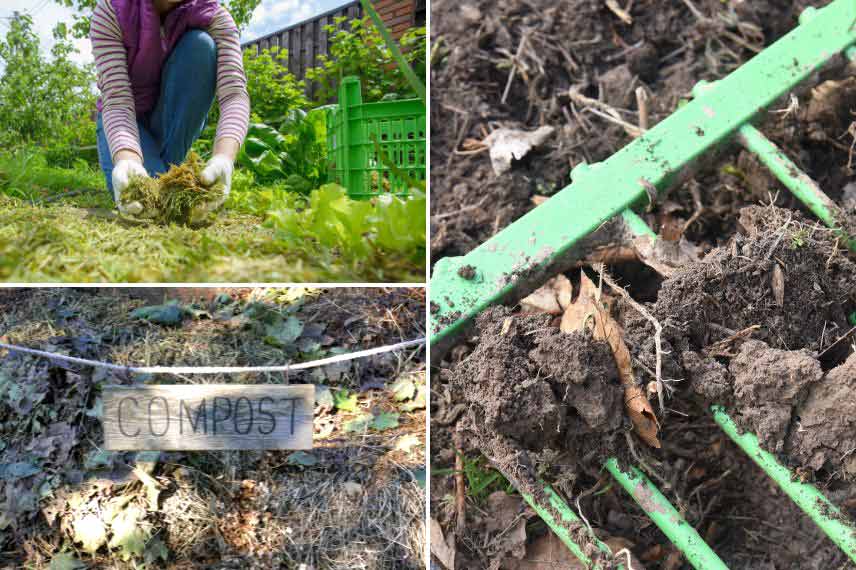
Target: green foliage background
45	101
358	49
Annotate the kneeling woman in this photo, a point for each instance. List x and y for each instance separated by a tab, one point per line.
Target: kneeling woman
160	64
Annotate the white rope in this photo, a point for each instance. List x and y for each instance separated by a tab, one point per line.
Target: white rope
213	369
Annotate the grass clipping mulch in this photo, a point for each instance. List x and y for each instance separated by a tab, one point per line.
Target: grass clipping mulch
174	197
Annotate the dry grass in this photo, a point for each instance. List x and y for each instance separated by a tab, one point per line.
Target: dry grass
172	197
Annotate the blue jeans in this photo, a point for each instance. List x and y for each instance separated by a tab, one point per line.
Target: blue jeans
188	85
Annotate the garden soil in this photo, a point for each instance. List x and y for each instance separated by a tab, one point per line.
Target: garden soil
759	325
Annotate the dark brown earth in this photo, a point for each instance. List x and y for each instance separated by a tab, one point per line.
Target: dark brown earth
580	44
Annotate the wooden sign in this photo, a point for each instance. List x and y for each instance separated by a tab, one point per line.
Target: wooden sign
208	416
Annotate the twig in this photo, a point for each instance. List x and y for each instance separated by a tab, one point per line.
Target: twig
658	332
631	129
834	344
460	492
642	104
696	12
456	213
514	61
699	207
619	11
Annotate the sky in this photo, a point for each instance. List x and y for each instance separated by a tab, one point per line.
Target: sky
270	16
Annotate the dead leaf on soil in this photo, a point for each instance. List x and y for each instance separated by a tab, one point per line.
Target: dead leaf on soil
513	144
664	256
592	310
552	298
444	553
506	517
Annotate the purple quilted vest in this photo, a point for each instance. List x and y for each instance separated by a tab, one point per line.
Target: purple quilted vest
148	48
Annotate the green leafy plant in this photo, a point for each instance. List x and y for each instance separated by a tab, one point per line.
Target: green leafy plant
355	230
482	479
295	154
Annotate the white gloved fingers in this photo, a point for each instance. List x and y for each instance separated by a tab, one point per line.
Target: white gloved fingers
123	171
219	169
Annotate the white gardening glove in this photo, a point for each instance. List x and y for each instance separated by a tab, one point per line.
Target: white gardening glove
219	169
123	171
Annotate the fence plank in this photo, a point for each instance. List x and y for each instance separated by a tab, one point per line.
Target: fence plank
208	416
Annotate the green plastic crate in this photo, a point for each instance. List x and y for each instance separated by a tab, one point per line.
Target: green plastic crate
357	130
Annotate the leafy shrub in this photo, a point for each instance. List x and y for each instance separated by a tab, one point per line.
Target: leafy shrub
45	101
358	49
274	92
296	154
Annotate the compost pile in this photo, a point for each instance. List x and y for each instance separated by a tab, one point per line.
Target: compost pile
356	500
754	309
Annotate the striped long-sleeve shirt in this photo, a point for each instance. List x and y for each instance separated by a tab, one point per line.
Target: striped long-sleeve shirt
118	110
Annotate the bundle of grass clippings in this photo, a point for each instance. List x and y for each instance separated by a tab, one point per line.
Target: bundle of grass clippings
174	196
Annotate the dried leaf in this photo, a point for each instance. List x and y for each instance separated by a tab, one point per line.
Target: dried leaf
385	421
440	548
359	424
417	403
18	470
129	534
403	389
592	310
664	256
302	458
352	489
507	145
407	443
543	300
170	314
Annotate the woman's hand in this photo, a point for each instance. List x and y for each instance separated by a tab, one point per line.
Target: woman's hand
126	166
219	169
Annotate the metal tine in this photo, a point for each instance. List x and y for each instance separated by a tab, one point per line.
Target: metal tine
798	182
666	517
558	507
807	497
648	497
